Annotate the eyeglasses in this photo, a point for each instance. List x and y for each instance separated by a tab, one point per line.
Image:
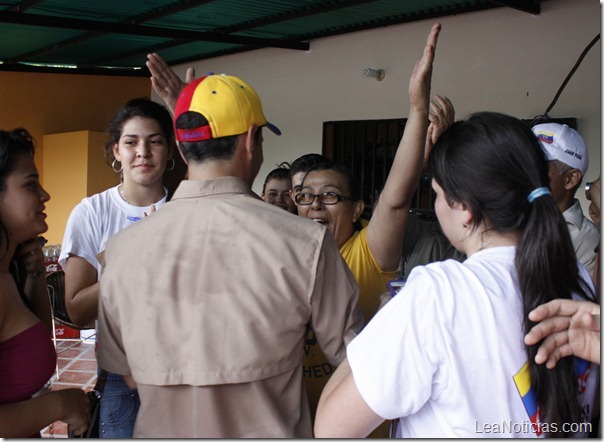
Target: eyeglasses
588	190
327	198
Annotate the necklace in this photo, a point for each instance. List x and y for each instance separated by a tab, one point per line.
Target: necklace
123	195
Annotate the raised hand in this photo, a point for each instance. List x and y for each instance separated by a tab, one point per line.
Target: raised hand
419	84
442	116
164	80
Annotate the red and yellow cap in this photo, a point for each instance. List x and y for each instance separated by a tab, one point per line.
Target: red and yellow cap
229	104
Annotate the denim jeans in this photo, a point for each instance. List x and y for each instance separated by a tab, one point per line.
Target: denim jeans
119	406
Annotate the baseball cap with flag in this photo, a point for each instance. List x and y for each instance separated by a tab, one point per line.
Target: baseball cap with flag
563	143
228	103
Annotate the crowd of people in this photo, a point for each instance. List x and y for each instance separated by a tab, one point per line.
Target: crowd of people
269	315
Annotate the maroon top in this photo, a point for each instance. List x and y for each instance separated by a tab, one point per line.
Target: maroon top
27	362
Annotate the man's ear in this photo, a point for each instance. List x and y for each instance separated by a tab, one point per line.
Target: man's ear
572	179
250	140
357	210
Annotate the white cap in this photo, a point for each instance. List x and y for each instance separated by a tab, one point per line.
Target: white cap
562	143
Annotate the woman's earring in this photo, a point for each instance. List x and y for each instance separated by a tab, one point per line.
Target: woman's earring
113	166
173	165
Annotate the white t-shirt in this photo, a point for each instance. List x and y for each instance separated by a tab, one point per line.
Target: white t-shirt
96	219
446	354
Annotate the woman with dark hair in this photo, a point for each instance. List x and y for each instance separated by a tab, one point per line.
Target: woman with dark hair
140	143
27	355
446	355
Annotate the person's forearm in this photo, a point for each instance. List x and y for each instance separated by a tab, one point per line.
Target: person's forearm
403	177
83	306
342	411
26	418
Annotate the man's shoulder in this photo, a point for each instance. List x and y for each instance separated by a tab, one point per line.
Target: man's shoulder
274	215
574	215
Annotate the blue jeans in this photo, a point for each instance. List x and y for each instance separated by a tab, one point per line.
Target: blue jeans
119	406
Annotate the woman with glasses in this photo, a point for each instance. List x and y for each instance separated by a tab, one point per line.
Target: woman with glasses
331	196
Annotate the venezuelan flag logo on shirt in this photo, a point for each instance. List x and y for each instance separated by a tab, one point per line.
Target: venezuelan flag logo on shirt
528	396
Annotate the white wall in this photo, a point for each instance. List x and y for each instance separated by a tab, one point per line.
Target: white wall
499	60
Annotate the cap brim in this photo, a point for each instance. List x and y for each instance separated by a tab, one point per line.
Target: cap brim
274	129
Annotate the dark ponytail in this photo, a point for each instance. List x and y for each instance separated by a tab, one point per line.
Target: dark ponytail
546	274
492	162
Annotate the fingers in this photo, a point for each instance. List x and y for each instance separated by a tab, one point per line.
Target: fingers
433	36
79	430
441	116
156	64
546	328
443	108
442	113
419	85
26	254
565	307
429	50
553	348
152	209
75	404
161	74
590	322
158	68
190	75
30	256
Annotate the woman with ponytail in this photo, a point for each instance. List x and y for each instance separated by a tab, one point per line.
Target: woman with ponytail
446	356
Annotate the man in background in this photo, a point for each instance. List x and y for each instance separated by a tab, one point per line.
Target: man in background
568	161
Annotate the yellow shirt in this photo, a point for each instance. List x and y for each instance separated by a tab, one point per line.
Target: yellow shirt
367	272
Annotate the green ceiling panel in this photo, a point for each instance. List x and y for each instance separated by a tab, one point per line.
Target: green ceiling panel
94	34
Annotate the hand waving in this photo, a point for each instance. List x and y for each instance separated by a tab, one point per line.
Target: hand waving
419	85
165	81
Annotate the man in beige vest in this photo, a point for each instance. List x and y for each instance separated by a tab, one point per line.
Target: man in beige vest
205	303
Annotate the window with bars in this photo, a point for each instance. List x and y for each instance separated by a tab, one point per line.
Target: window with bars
368	147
